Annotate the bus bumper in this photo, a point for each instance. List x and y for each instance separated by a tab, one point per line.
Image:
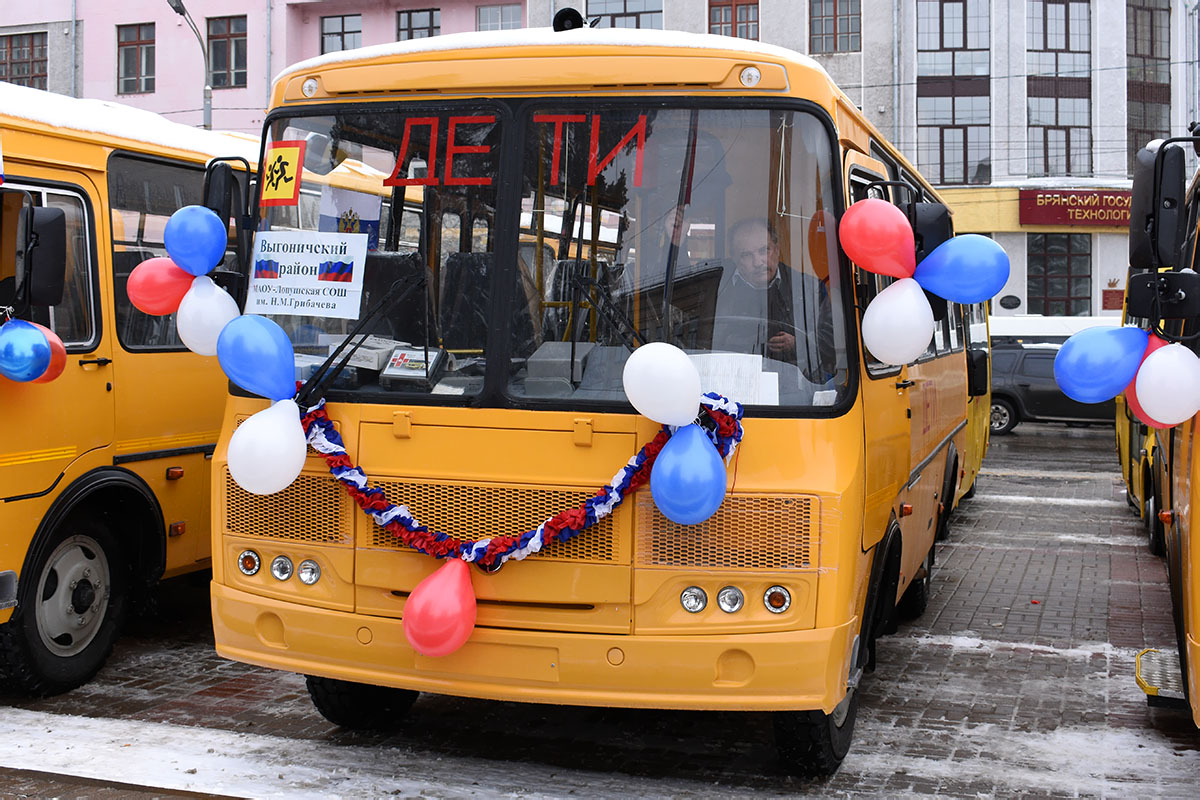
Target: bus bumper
793	670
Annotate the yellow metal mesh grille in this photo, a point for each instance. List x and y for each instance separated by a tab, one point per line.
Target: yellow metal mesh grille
314	508
477	512
746	533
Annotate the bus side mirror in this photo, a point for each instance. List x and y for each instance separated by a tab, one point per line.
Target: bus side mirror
977	373
1163	295
931	227
1156	207
229	198
45	255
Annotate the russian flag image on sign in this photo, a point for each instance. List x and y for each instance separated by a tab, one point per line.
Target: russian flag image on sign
266	269
339	271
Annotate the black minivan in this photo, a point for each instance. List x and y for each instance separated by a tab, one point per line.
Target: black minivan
1024	390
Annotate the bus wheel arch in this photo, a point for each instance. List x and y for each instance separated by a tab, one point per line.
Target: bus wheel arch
88	561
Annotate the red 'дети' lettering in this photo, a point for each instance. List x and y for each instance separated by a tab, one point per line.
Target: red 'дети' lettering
452	149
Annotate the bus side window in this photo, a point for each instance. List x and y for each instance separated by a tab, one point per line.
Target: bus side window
143	195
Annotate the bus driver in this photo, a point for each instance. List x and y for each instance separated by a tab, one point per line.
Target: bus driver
765	307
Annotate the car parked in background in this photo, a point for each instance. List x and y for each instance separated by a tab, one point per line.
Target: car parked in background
1024	390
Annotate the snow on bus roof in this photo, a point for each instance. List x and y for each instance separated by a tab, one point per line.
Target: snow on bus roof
115	119
547	37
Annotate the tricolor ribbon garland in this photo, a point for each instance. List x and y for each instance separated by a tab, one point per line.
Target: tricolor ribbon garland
725	414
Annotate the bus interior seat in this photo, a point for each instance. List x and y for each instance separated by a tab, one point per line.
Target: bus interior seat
405	321
465	299
693	303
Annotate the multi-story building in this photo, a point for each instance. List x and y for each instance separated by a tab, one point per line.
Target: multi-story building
1026	113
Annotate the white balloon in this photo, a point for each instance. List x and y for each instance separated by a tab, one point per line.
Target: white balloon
267	451
663	384
203	312
898	324
1168	384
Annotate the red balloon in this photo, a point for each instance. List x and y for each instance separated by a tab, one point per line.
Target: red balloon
157	286
58	356
1131	390
440	613
876	235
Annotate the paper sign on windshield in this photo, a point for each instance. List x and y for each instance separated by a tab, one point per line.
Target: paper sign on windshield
306	273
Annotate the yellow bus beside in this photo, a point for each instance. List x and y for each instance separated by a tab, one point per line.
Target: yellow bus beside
551	171
1163	296
106	468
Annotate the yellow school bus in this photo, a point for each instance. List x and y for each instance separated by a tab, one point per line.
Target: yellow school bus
1161	294
591	141
1140	458
106	469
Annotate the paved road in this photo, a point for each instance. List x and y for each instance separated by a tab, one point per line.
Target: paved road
1017	680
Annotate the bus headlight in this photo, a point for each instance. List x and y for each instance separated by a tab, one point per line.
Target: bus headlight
777	599
693	599
249	562
309	572
281	568
730	599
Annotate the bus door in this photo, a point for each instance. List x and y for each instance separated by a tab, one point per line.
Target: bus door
62	421
886	390
167	416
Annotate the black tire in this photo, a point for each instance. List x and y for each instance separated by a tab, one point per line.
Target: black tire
969	493
1004	416
948	490
360	706
49	646
813	743
915	599
1175	584
1154	528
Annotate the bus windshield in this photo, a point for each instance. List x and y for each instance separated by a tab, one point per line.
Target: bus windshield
554	236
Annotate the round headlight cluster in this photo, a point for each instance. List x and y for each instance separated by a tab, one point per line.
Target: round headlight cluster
730	599
309	571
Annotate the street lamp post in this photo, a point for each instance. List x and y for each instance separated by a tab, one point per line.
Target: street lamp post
178	8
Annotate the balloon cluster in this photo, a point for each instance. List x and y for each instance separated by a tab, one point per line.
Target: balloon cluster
1161	381
267	451
688	480
30	353
898	324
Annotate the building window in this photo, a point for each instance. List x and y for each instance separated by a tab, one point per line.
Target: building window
23	59
1059	87
836	26
733	18
341	33
135	58
419	24
1059	273
1148	91
498	18
953	91
627	13
227	52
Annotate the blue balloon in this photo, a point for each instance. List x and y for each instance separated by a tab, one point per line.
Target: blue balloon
195	239
688	478
257	355
1097	364
24	351
966	269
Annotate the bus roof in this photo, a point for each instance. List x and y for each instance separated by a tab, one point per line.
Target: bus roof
547	37
69	114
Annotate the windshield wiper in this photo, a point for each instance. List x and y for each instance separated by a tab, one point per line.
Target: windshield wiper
315	387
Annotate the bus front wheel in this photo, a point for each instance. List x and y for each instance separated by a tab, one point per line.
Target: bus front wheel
813	743
359	706
71	605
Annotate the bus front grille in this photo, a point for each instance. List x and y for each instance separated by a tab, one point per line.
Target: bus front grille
748	532
315	508
472	511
